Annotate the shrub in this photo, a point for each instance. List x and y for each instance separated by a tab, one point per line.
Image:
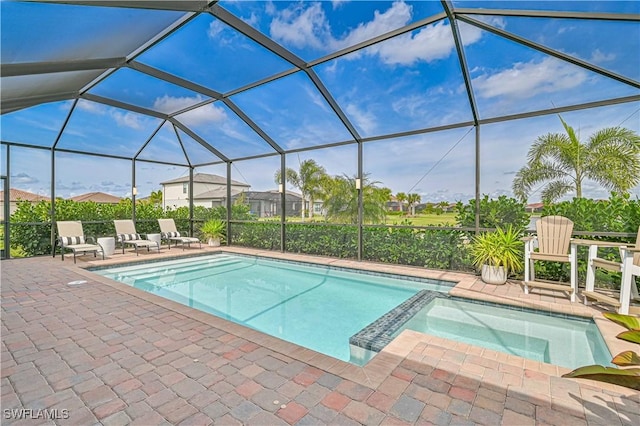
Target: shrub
496	213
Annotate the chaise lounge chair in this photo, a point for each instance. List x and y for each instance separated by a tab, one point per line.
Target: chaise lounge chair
554	245
127	235
629	266
170	233
71	237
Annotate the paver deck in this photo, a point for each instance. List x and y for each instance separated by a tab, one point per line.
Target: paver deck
88	350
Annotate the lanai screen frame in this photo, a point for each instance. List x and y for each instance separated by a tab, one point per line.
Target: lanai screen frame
196	7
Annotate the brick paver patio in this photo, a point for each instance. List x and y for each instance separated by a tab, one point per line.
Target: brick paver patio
98	352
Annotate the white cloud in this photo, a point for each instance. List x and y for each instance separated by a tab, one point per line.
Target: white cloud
23	179
363	119
206	114
127	119
215	28
527	79
301	26
398	15
91	107
598	57
252	20
306	26
429	44
337	3
170	104
122	118
316	98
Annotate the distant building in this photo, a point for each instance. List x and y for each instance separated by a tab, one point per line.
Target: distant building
268	203
97	197
534	207
393	205
208	191
16	195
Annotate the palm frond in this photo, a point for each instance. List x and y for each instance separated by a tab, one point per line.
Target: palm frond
556	189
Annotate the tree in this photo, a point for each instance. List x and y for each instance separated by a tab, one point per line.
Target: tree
401	197
307	179
340	198
413	200
610	157
156	197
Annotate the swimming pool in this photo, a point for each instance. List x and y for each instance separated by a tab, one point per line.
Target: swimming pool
351	315
313	306
567	341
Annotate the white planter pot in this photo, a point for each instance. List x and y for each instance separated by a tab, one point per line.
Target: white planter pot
214	242
494	274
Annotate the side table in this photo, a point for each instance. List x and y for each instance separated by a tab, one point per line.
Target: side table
108	244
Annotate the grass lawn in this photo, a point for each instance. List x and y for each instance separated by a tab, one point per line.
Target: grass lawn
448	219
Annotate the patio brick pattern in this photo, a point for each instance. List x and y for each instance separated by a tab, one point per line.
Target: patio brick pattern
109	356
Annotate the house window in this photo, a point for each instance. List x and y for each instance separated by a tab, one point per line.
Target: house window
185	188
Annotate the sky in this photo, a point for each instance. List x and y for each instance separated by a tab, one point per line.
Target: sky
410	82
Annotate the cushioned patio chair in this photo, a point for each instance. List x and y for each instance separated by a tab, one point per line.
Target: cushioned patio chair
553	238
169	232
629	266
71	237
127	235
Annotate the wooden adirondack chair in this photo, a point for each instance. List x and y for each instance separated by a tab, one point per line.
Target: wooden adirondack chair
629	266
554	245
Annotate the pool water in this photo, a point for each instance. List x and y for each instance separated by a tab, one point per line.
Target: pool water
313	306
568	342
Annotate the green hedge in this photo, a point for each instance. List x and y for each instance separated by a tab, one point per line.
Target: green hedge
437	249
31	222
432	248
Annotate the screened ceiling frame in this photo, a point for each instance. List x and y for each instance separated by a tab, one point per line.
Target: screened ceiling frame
195	8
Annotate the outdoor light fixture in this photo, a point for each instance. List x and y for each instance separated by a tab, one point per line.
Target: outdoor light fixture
358	183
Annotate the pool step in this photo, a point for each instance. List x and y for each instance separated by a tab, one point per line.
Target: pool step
179	267
484	335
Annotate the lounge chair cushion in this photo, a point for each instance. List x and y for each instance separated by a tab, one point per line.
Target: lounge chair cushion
129	237
170	234
69	241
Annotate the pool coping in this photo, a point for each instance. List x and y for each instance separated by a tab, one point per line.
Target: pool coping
380	367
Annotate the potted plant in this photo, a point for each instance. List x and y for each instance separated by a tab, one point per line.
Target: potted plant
213	231
497	253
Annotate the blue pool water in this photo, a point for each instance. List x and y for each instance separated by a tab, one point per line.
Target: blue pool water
568	342
313	306
321	308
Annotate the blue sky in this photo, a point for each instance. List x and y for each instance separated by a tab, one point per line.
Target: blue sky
412	81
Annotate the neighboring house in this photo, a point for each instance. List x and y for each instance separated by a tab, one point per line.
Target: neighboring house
268	203
97	197
16	195
393	205
208	191
534	207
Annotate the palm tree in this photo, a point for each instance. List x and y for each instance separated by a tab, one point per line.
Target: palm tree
340	198
413	200
156	197
401	197
307	180
610	157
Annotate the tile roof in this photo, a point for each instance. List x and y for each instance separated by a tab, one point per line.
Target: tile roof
18	194
97	197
